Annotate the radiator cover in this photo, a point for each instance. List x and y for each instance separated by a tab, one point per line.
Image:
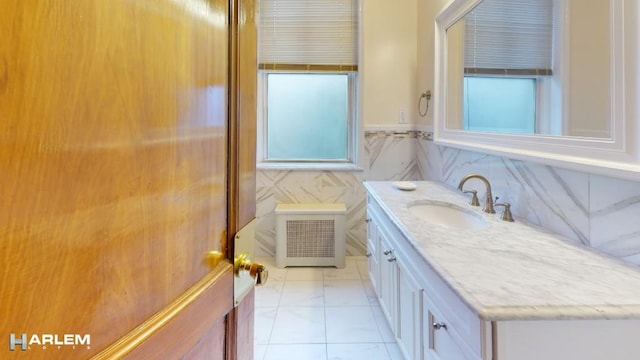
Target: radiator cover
310	235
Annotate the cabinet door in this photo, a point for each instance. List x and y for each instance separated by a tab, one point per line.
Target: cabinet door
388	280
373	252
410	322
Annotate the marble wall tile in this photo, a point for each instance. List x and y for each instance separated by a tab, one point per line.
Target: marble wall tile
593	210
615	217
553	198
429	159
391	155
300	186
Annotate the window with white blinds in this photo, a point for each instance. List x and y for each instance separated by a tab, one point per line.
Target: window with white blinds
510	37
308	35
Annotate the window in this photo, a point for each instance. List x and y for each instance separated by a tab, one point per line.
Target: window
508	60
308	79
309	117
495	104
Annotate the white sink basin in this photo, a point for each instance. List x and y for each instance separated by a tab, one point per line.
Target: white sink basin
447	214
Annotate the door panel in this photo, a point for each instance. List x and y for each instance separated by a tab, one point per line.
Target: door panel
244	89
113	155
187	328
247	63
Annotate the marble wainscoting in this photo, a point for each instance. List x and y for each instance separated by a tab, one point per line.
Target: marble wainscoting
594	210
389	155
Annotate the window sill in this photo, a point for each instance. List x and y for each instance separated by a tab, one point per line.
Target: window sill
308	166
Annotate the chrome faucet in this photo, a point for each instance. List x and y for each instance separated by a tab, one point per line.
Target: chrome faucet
488	201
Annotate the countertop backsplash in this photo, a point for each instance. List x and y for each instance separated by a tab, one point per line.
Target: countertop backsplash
594	210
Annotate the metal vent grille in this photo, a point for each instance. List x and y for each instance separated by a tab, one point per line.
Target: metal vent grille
311	238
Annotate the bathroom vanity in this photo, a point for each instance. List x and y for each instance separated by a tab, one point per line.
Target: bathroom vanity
495	291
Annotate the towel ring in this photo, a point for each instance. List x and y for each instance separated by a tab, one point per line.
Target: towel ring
424	95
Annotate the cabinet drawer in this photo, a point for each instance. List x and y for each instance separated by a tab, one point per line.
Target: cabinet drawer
438	343
455	324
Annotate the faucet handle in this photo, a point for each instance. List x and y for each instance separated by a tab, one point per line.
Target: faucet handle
506	214
474	197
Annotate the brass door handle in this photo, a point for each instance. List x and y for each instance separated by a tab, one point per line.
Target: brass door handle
257	271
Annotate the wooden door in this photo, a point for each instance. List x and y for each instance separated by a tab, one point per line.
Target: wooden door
244	63
113	179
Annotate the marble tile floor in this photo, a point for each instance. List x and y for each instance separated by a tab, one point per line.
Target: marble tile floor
321	313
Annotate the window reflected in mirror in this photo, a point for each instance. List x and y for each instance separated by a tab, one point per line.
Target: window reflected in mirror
531	67
500	104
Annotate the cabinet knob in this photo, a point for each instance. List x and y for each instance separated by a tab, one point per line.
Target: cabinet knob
439	325
387	252
368	254
391	259
368	220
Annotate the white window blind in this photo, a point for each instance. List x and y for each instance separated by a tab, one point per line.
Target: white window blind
308	35
510	37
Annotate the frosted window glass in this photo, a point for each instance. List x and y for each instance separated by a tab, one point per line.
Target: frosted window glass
307	117
505	105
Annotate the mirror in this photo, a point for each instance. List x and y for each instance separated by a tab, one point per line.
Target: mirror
540	80
531	67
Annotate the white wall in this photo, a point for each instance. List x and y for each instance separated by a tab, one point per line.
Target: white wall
427	11
388	61
589	74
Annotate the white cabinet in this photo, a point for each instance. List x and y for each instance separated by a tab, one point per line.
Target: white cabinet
388	283
413	298
398	290
567	339
373	253
431	321
400	295
410	321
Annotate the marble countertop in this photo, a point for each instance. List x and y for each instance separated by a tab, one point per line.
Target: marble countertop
513	271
